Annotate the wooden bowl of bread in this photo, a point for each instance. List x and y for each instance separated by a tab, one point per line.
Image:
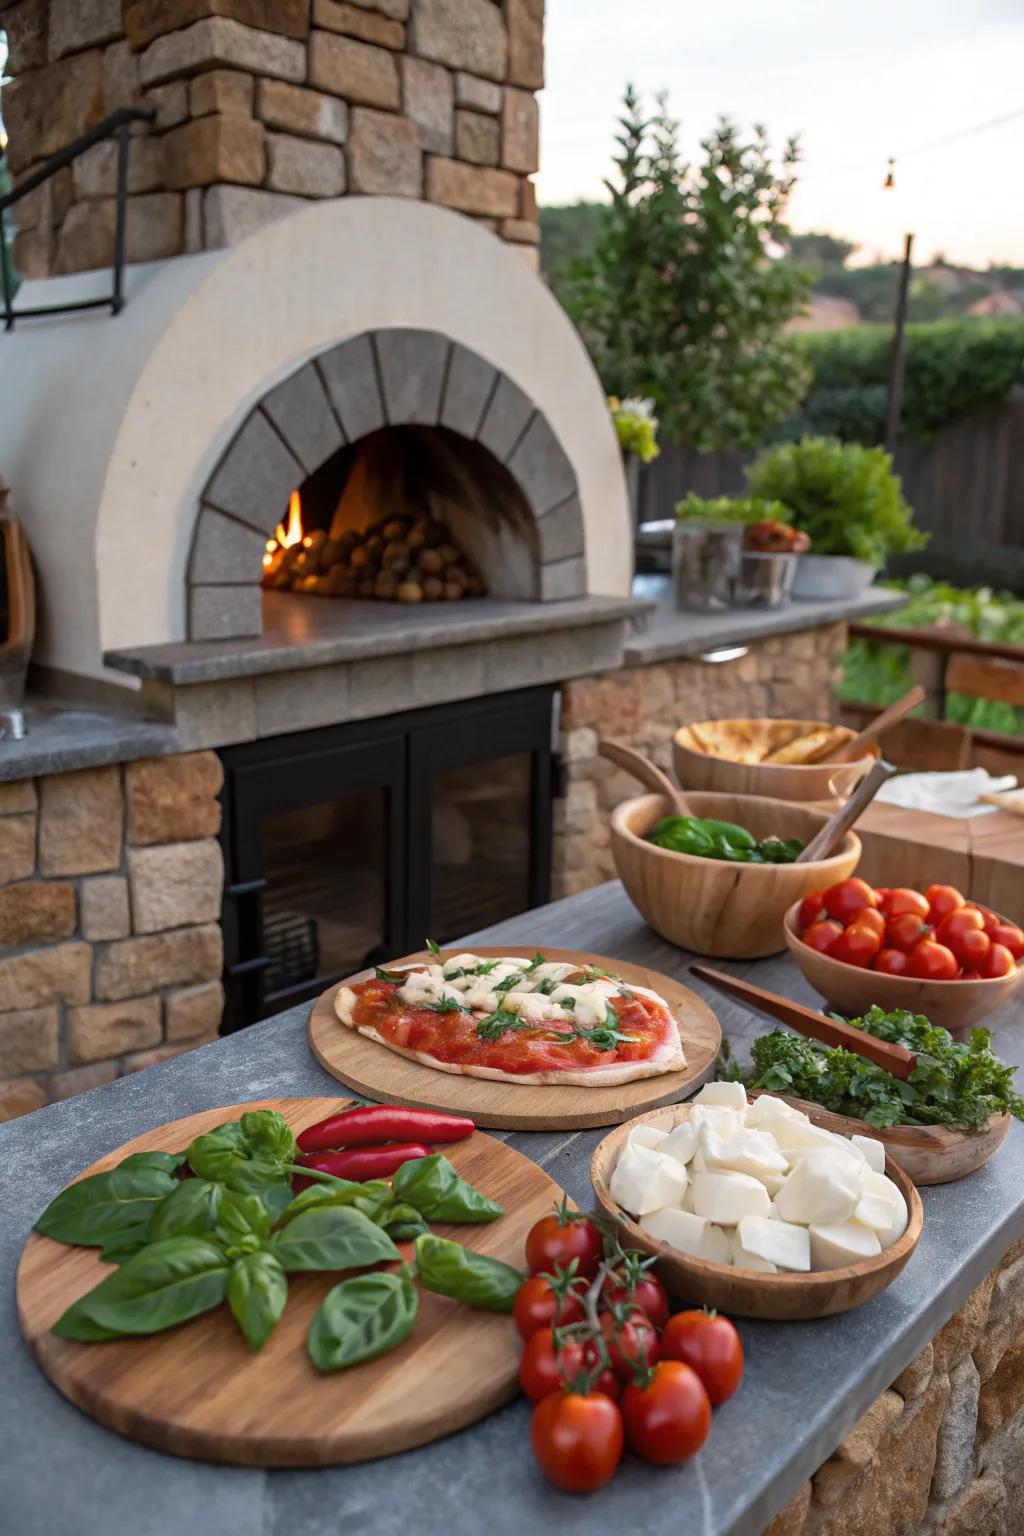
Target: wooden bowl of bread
777	758
711	906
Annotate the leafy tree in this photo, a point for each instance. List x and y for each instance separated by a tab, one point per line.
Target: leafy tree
682	300
567	234
820	249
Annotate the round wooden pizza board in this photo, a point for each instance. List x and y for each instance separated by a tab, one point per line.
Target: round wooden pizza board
381	1074
197	1391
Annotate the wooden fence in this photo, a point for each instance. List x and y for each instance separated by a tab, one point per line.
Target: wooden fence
966	487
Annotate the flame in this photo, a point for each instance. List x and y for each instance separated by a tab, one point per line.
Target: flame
286	537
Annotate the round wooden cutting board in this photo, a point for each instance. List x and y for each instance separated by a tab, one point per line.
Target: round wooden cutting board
197	1391
371	1069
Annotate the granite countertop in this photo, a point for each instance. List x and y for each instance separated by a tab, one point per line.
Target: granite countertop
805	1385
59	740
668	633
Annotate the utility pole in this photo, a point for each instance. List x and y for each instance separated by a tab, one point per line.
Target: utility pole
897	358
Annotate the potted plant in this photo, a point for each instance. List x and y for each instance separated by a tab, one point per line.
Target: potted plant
848	500
636	428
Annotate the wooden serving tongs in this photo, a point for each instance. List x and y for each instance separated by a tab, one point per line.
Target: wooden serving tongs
857	746
892	1058
648	773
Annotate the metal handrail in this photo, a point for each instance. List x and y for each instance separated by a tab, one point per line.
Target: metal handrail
118	123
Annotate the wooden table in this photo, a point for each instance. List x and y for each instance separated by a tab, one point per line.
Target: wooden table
983	856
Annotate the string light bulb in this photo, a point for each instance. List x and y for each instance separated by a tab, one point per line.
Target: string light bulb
890	180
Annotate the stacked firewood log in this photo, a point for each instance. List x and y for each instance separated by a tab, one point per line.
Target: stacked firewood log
408	560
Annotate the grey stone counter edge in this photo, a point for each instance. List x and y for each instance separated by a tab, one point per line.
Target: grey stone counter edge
671	633
63	740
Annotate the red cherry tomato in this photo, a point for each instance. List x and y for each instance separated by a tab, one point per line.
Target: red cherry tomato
869	917
962	920
562	1237
929	961
631	1340
538	1304
577	1438
970	947
901	900
1010	936
998	962
843	900
891	962
856	945
710	1345
905	931
668	1419
882	893
646	1292
543	1369
811	911
942	900
822	936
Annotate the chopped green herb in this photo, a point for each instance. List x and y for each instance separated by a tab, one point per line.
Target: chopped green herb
498	1023
538	959
435	949
394	976
606	1036
953	1084
625	992
547	986
448	1005
510	982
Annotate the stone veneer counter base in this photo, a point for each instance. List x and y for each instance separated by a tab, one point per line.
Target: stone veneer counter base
806	1384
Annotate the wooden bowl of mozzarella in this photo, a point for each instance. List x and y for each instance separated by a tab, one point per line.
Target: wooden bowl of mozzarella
785	1295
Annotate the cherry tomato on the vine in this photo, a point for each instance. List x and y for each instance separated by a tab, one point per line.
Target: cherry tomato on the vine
942	900
577	1438
668	1418
710	1345
631	1340
856	945
891	962
929	961
812	910
562	1237
843	900
543	1369
538	1304
646	1292
822	936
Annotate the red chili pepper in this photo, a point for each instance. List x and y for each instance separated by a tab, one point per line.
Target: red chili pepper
365	1162
370	1124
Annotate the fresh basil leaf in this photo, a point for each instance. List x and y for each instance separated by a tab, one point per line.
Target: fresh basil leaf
343	1192
215	1154
268	1134
509	983
257	1292
163	1285
331	1238
94	1212
402	1222
189	1211
433	1187
167	1162
362	1318
538	959
435	949
499	1023
242	1225
451	1270
126	1244
75	1323
447	1005
395	977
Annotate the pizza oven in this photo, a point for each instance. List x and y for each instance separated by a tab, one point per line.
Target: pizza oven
349	846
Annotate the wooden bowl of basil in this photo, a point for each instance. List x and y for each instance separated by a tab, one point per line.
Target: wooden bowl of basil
718	906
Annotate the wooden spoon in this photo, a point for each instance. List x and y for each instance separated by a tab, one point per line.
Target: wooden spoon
884	1053
647	772
839	823
858	745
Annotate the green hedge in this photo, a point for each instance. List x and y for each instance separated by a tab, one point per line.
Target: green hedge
954	368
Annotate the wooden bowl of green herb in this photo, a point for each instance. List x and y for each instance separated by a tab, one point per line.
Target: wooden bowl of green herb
941	1124
727	896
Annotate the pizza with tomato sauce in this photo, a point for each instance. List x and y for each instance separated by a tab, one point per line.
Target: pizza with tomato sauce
522	1020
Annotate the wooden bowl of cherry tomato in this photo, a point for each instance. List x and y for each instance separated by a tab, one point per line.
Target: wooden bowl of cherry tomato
931	952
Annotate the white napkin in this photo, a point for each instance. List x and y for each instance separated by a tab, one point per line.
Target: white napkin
945	794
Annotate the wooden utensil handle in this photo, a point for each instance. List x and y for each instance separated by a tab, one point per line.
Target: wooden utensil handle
835	829
892	1058
647	772
858	745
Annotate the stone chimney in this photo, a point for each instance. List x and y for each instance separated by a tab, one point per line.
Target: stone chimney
262	103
